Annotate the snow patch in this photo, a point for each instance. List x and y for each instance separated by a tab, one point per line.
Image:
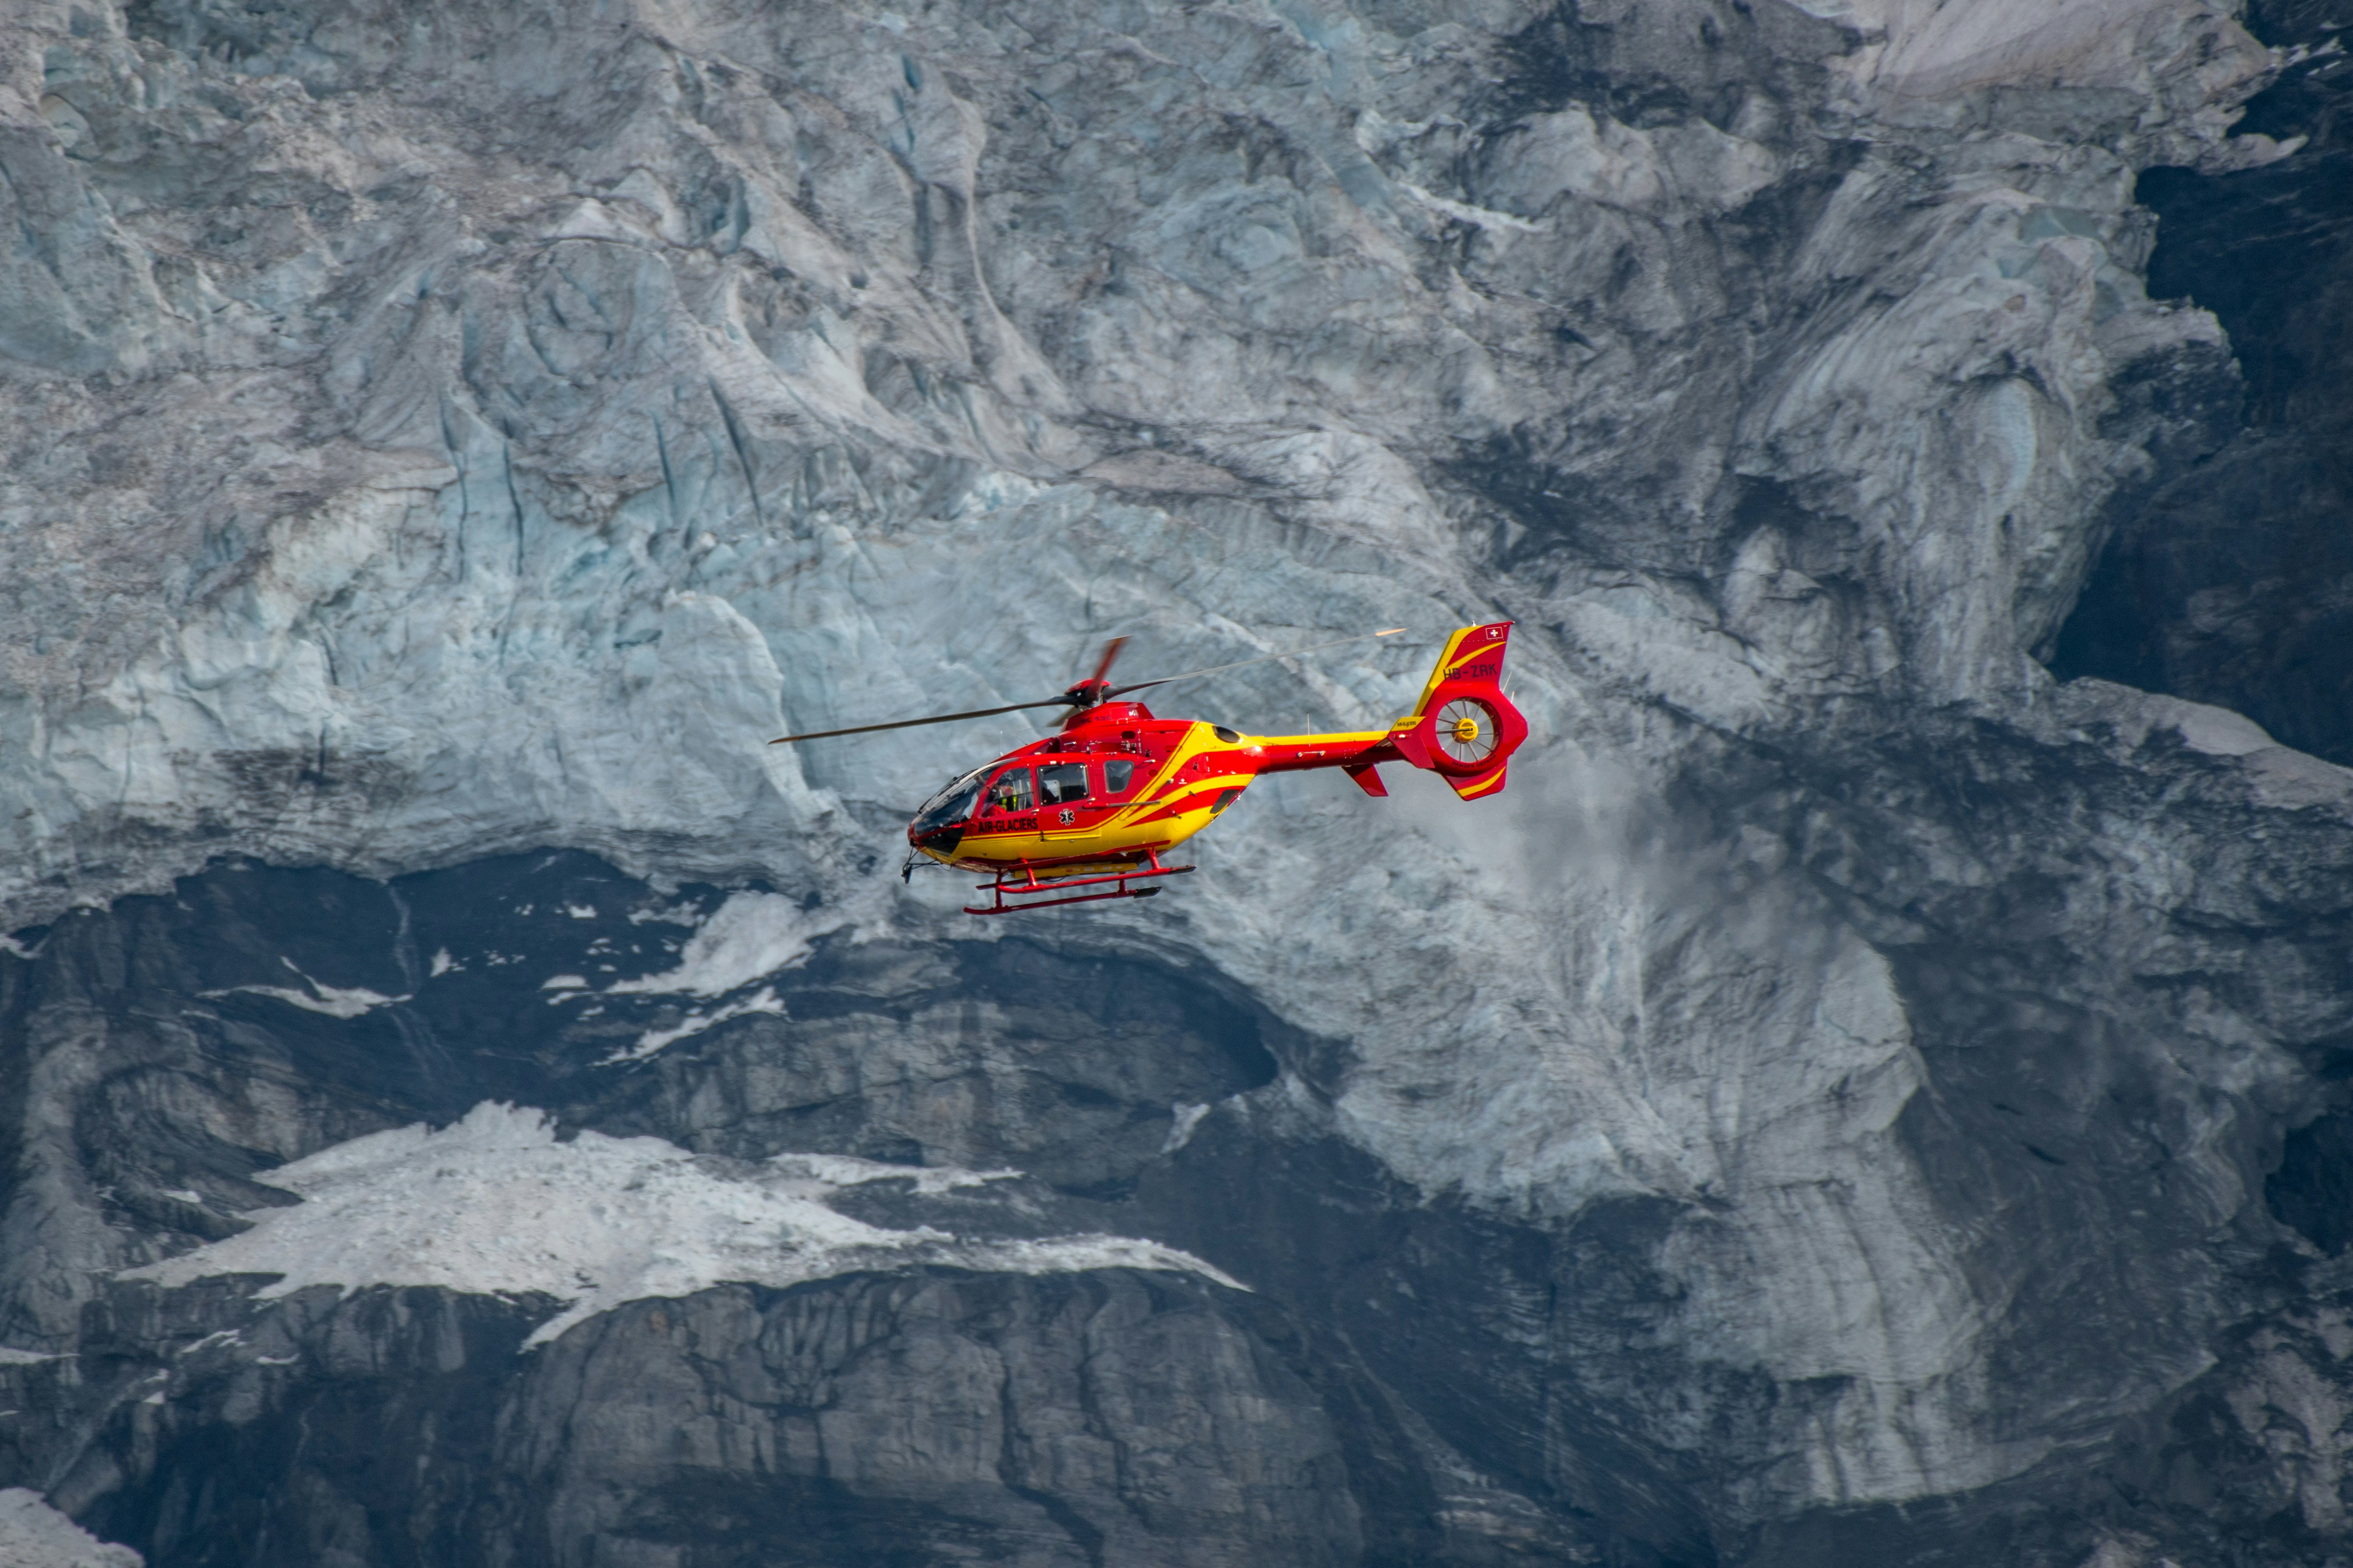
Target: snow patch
563	982
9	944
1180	1130
850	1171
2216	731
335	1001
35	1535
442	964
1477	218
11	1356
749	936
694	1022
494	1205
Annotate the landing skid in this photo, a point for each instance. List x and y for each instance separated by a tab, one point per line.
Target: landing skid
1028	883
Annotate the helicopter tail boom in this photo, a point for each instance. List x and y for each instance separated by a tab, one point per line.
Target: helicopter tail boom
1464	729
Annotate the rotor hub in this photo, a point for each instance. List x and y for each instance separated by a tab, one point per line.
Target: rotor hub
1467	730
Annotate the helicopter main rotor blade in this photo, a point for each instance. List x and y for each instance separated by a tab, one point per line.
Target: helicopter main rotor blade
911	723
1239	663
1068	700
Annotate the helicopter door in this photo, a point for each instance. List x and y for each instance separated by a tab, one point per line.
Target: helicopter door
1066	809
1008	806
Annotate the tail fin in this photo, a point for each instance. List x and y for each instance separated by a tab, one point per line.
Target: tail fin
1464	729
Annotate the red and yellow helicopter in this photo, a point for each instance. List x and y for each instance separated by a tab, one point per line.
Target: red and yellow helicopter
1097	804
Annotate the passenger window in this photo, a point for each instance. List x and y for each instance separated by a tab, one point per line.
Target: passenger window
1010	791
1117	776
1062	784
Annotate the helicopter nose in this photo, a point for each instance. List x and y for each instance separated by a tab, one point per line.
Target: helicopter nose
942	839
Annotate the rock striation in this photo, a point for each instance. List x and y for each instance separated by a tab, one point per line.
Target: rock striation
1871	1091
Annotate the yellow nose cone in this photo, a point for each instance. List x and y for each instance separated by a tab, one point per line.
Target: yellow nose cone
1466	729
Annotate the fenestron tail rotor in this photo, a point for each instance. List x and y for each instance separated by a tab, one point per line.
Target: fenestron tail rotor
1085	694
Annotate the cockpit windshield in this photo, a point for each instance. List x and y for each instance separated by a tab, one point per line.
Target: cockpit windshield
951	805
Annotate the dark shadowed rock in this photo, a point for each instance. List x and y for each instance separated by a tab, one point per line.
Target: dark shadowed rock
2233	584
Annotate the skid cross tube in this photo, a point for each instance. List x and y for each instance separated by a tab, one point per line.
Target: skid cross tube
1028	883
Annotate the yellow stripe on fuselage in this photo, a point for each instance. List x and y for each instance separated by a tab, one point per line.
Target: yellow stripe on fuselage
1178	801
1144	823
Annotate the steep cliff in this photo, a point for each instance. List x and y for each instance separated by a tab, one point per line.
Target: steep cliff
2233	585
1859	1096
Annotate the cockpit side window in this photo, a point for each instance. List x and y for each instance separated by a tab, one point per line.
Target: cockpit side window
1010	791
1062	784
951	805
1118	775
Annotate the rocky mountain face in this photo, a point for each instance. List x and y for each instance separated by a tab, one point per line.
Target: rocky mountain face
1871	1090
2231	585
